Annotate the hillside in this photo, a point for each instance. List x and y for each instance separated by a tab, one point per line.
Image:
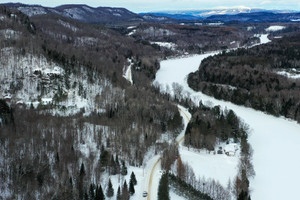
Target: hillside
87	14
66	112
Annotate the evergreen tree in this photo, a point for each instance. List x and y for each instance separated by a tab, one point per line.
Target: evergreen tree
113	167
119	194
132	178
91	192
80	182
104	157
99	193
110	189
86	196
124	169
57	158
131	188
82	170
125	194
117	164
163	188
244	196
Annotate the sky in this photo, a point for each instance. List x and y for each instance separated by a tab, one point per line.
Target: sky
162	5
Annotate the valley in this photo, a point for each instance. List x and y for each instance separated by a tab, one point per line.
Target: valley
105	103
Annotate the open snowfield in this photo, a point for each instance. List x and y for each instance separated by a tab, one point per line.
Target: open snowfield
219	167
275	140
275	28
174	196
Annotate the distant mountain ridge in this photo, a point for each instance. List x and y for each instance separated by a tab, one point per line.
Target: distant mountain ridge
225	14
205	13
113	16
85	13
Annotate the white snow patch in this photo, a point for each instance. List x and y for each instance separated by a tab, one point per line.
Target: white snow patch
131	27
216	166
295	20
117	15
293	73
250	28
127	74
215	24
168	45
32	11
68	25
132	32
10	34
263	40
175	196
275	28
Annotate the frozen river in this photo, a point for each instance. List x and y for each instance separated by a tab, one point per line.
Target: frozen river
276	141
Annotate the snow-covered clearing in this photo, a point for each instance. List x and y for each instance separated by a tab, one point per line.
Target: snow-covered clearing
174	196
127	72
275	140
219	167
168	45
275	28
132	32
293	73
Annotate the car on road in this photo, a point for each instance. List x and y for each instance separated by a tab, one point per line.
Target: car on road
145	194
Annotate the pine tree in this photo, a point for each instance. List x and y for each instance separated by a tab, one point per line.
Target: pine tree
117	164
91	192
243	196
132	178
113	167
163	188
57	158
131	188
124	169
86	196
119	194
82	170
110	189
99	193
80	182
125	194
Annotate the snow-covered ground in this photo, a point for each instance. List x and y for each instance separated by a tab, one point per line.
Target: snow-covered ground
174	196
275	28
263	40
127	72
168	45
132	32
275	140
219	167
33	79
293	73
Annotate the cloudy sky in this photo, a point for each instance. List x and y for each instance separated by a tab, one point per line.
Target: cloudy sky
159	5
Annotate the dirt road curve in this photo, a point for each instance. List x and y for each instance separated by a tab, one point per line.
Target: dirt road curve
151	177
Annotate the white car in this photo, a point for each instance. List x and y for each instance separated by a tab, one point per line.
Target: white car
145	194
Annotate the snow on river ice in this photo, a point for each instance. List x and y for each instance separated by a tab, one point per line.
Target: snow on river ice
276	141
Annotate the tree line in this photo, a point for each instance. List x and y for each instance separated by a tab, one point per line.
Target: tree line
249	77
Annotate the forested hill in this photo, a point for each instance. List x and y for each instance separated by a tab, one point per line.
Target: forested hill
67	114
264	77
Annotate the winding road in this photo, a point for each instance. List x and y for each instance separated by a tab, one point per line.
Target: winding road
155	175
